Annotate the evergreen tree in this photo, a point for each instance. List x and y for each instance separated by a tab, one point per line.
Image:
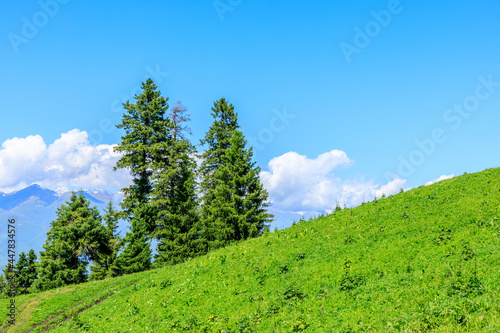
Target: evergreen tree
3	285
22	274
174	194
136	256
31	272
146	132
76	237
234	200
9	282
105	265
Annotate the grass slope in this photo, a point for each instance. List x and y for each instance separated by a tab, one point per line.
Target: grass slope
424	260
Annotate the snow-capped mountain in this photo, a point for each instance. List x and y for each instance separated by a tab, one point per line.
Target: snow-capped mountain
34	208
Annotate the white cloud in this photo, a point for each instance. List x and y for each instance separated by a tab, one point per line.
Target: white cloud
297	183
69	161
443	177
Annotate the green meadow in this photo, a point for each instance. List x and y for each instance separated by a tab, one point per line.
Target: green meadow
426	260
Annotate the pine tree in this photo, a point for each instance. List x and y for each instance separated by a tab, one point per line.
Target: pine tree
9	282
174	195
146	133
76	237
105	264
249	196
234	200
136	256
111	218
22	273
31	272
146	130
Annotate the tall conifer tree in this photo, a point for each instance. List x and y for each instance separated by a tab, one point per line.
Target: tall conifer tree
105	265
31	272
146	131
136	256
75	238
22	273
234	201
174	194
8	280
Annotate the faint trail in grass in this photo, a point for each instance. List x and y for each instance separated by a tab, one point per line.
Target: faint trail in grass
50	319
46	328
29	307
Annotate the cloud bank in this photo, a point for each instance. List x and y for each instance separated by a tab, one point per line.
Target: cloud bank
297	183
69	161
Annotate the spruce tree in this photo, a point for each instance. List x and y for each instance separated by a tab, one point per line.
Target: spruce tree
234	200
76	237
9	282
105	265
174	195
146	132
111	218
25	271
31	272
136	256
22	273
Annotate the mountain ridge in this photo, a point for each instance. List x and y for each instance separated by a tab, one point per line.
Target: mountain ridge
45	197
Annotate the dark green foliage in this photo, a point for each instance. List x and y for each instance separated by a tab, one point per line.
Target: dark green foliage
350	281
234	201
165	283
444	236
467	253
174	195
293	292
243	325
21	274
31	272
136	256
283	269
147	130
26	271
76	237
106	265
8	281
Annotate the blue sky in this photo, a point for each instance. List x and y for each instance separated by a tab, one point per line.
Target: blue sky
270	60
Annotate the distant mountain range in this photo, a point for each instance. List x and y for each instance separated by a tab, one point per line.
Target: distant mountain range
43	197
34	208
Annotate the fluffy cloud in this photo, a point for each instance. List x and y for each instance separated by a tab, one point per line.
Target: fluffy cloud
443	177
69	161
300	184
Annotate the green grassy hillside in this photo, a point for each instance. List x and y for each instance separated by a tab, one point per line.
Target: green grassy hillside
424	260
